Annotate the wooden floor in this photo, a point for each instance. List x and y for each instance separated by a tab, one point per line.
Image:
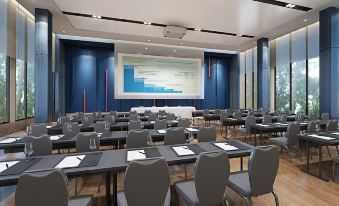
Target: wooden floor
293	186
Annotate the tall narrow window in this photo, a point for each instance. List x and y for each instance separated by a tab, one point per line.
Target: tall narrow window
3	63
249	81
30	67
313	69
255	78
282	74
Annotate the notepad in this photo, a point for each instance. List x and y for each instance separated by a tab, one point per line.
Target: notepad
192	130
48	126
152	122
9	140
321	137
135	155
161	131
81	125
225	146
183	151
263	125
70	161
335	133
55	137
175	121
5	165
99	134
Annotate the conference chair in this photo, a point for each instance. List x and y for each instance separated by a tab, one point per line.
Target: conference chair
207	134
237	115
147	182
300	117
184	122
324	118
79	115
96	115
115	114
37	129
41	146
175	135
331	125
170	117
147	112
291	140
160	124
133	112
217	111
313	117
63	119
311	127
134	125
162	113
152	117
259	179
102	127
211	173
110	119
70	128
47	188
249	122
83	145
137	139
133	117
282	118
87	120
267	119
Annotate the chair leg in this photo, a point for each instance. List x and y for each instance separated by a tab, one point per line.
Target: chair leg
288	153
333	171
76	187
247	200
329	152
337	147
185	169
99	183
276	198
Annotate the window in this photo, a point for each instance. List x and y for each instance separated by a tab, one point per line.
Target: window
282	74
4	117
313	69
30	68
249	80
242	80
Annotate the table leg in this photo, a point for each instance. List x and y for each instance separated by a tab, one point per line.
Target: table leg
241	164
320	161
308	156
115	188
255	137
108	189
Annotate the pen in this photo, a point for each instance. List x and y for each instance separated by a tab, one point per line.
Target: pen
79	158
6	165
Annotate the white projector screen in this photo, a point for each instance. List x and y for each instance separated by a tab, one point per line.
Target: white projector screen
157	77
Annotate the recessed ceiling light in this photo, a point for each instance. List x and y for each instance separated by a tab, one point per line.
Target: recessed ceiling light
99	17
305	19
197	29
148	40
147	23
94	16
174	50
240	35
290	5
63	31
274	33
146	48
181	43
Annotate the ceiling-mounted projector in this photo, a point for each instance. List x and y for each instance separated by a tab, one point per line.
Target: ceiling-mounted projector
175	32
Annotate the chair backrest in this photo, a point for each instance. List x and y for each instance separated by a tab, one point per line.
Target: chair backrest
282	118
114	113
110	119
63	120
133	117
312	117
332	125
263	167
137	138
97	114
325	116
152	117
147	112
162	113
249	122
217	111
133	112
38	129
293	130
311	127
71	128
267	119
300	117
170	117
147	182
79	115
41	189
211	177
175	135
83	140
207	134
205	112
184	123
87	120
134	125
41	145
223	116
102	127
237	115
160	124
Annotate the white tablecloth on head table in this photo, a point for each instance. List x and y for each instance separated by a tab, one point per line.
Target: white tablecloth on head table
184	112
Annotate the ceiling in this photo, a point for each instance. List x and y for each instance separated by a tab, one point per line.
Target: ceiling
234	16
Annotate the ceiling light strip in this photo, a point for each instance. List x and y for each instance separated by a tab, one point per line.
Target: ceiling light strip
285	4
154	24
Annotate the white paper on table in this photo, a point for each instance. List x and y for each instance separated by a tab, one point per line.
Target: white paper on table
263	125
335	133
9	140
55	137
152	122
99	134
192	129
175	121
136	155
281	124
183	150
5	165
161	131
321	137
232	119
225	146
81	125
48	126
70	161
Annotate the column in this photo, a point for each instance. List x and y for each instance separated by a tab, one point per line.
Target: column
263	66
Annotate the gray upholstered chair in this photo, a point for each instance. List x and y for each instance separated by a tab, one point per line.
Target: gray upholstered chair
160	124
282	118
37	129
147	182
114	113
133	117
184	123
217	111
267	119
96	115
175	135
313	117
102	127
47	188
79	115
147	112
170	117
162	113
110	118
263	166
152	117
332	125
291	140
311	127
237	115
63	119
71	128
211	173
207	134
41	145
324	118
87	120
83	142
134	125
249	122
137	138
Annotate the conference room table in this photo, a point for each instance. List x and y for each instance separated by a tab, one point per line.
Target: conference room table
318	140
111	162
